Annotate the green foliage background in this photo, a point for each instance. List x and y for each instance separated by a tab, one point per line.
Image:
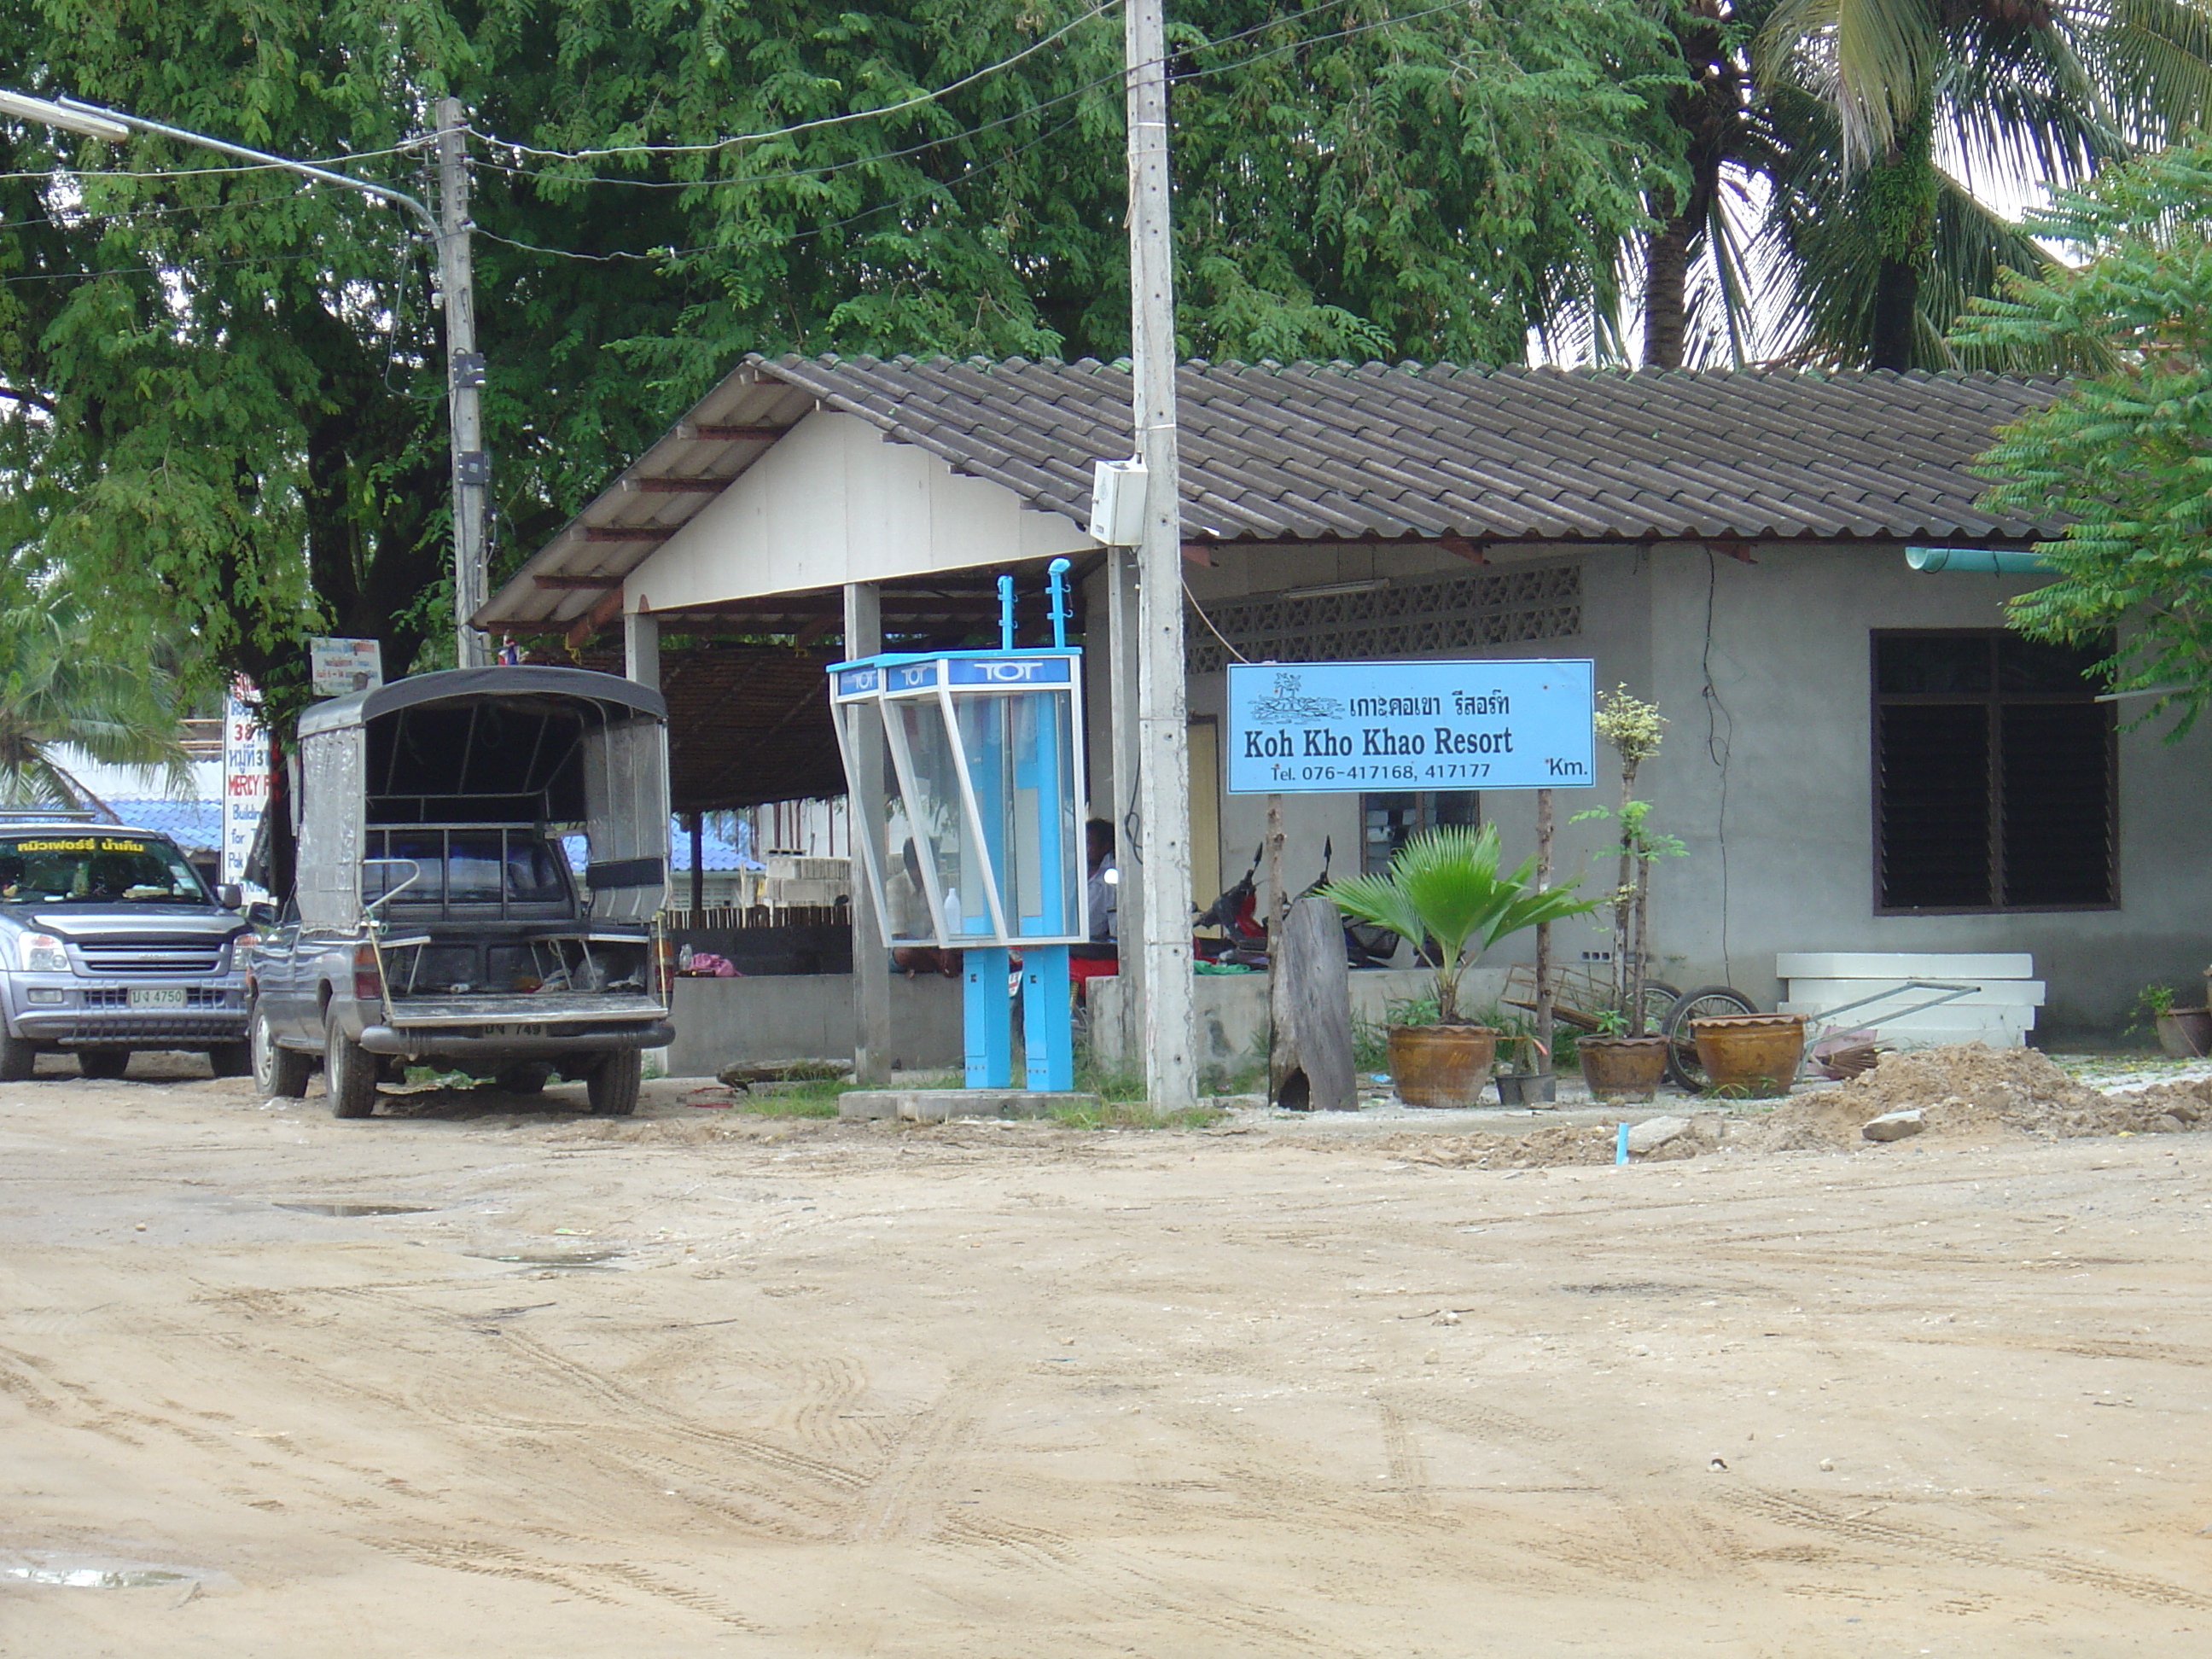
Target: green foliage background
225	403
2127	452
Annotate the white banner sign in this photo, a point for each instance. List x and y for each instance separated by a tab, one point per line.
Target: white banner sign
244	781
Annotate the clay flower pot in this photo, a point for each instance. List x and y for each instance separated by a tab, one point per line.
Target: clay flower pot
1442	1065
1616	1067
1749	1053
2185	1033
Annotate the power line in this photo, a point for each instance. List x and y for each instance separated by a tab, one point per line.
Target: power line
826	167
914	102
663	254
50	173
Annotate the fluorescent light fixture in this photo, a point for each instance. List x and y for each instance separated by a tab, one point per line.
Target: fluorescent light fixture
94	124
1328	588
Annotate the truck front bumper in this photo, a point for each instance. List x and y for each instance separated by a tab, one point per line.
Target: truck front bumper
70	1013
428	1041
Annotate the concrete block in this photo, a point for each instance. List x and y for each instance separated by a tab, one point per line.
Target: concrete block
1993	993
1894	1126
1654	1133
1904	965
941	1105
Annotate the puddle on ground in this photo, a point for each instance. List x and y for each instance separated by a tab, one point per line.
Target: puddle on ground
355	1209
104	1572
551	1258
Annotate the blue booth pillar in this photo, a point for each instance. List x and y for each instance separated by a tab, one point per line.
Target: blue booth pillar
986	1012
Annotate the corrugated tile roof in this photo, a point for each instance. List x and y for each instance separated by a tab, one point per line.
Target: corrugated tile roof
1491	454
1317	451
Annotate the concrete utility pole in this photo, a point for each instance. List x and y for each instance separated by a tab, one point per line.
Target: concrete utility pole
1163	842
465	366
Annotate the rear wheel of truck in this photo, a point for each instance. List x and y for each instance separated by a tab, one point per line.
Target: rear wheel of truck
612	1085
527	1078
103	1064
279	1073
231	1059
348	1072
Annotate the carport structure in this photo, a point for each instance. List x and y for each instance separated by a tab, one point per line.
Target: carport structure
1329	512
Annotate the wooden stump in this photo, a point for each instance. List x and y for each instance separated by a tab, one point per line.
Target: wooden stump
1309	1063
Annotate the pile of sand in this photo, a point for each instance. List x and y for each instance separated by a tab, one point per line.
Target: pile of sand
1965	1092
1970	1089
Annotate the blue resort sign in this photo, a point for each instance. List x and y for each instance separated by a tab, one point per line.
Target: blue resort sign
1310	727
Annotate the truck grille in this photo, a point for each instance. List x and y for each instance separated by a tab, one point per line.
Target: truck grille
183	956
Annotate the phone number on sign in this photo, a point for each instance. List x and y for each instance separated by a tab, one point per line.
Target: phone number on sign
1406	773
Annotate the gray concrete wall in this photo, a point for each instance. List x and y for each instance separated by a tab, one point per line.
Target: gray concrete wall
1767	775
806	1017
1764	672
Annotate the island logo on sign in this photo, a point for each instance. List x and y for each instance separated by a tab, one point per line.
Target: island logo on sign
1287	704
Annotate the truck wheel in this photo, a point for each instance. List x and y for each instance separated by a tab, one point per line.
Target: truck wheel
16	1059
528	1077
103	1064
612	1087
348	1072
231	1059
279	1073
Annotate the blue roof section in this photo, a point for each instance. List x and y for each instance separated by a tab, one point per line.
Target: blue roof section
190	824
198	823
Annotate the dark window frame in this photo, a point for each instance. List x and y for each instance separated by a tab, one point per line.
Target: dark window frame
1993	700
1425	815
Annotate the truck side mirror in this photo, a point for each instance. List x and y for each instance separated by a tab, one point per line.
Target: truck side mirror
230	896
261	915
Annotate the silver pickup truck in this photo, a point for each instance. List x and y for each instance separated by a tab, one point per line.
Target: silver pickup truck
109	943
436	917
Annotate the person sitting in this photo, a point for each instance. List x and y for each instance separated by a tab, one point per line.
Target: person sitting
907	896
1102	892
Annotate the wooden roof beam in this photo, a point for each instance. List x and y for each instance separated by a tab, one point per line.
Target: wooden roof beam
594	620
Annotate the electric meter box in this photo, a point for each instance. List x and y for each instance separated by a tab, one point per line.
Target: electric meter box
977	841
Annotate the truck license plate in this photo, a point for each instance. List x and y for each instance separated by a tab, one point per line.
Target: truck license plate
157	996
514	1030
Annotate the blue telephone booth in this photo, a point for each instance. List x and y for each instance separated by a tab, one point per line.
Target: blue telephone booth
976	844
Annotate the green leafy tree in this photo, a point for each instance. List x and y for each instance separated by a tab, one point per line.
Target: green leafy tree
224	387
2126	453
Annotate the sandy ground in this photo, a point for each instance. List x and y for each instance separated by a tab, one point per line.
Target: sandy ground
705	1383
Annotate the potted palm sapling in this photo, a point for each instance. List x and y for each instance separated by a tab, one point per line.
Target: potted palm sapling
1623	1057
1444	894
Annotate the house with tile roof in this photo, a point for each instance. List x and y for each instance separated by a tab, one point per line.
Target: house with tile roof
1860	757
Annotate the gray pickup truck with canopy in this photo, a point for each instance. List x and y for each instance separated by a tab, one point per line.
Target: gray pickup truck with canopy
436	917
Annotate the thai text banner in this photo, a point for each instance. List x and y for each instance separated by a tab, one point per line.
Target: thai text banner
1313	728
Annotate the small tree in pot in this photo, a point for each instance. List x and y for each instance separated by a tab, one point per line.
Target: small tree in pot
1444	894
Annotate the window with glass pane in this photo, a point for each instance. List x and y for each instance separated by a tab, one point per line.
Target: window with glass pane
1387	821
1994	773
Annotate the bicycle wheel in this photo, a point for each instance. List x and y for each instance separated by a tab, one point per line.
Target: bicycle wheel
1706	1002
1659	1001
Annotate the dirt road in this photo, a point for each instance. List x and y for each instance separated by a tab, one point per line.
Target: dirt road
706	1384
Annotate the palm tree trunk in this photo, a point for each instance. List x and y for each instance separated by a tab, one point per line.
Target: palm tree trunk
1666	293
1896	303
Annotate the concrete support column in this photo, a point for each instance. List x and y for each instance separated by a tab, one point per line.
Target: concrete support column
641	648
872	962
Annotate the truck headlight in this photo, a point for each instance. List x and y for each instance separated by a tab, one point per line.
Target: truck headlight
42	953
